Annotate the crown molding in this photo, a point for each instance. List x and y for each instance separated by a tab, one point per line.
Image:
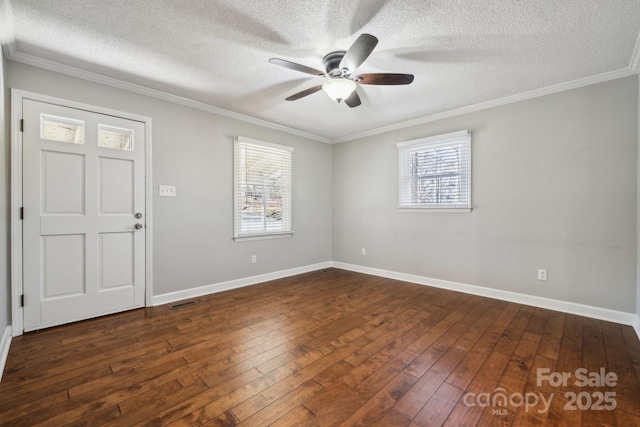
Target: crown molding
613	75
13	55
7	34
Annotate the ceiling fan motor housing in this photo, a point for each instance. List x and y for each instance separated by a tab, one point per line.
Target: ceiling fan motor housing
331	63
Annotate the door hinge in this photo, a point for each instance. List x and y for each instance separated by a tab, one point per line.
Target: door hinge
21	125
22	300
21	213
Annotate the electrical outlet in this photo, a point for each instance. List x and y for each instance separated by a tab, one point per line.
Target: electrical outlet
254	259
167	191
542	274
363	251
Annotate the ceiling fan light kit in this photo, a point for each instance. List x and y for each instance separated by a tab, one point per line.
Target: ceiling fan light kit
339	88
339	66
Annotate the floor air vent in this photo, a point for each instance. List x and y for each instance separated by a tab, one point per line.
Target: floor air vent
182	305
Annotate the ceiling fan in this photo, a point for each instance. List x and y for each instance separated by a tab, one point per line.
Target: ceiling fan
339	67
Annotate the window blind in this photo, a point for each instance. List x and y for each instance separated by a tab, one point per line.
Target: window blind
262	188
435	172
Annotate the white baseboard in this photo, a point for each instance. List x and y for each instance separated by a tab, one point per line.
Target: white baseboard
233	284
548	303
4	349
551	304
636	325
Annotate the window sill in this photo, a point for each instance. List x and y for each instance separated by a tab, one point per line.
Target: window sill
436	210
263	237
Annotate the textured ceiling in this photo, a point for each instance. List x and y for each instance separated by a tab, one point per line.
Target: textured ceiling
462	52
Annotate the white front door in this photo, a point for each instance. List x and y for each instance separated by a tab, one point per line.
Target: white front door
83	227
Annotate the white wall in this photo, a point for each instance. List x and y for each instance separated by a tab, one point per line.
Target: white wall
193	150
554	187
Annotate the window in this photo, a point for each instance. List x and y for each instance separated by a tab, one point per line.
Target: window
435	173
117	138
61	129
262	189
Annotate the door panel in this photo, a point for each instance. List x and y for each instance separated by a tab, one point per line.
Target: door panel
116	255
63	178
83	183
116	186
63	266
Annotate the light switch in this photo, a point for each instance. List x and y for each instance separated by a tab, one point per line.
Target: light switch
167	191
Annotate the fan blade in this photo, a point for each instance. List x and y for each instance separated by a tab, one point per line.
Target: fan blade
304	93
384	79
358	52
297	67
353	100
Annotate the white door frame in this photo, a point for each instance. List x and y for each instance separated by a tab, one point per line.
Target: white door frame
17	97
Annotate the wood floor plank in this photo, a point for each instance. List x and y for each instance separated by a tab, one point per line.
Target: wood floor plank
411	403
516	373
383	399
366	368
569	359
550	342
467	369
335	403
34	392
391	418
325	348
299	416
282	406
305	373
437	409
459	348
140	411
491	371
62	365
452	329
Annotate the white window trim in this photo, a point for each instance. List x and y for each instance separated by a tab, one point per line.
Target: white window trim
237	199
434	210
249	238
443	139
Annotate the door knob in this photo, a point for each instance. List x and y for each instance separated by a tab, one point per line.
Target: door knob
138	215
138	226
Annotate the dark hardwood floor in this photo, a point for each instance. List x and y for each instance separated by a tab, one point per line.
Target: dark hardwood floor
327	348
